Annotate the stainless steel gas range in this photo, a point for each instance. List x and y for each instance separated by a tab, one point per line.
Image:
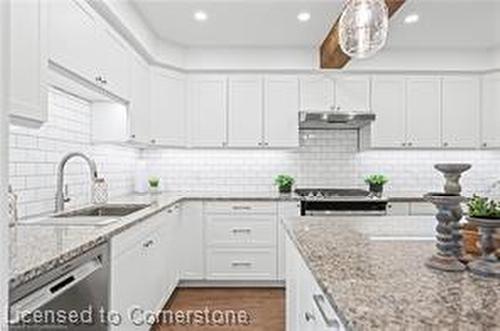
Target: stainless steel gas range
325	202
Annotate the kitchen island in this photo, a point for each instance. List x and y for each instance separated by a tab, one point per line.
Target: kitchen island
371	271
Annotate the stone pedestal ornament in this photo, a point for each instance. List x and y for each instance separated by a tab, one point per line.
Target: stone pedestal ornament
449	245
452	173
489	264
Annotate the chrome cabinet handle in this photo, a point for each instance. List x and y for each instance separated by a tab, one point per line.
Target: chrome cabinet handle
320	302
241	230
241	264
242	208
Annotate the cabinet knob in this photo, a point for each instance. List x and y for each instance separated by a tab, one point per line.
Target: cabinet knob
266	144
224	144
259	143
403	144
485	145
445	144
410	144
132	136
153	141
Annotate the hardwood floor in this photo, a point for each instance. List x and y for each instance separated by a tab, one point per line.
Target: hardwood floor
265	308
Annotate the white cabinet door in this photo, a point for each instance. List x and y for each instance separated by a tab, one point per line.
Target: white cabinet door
139	107
192	242
245	111
113	64
316	93
281	104
167	109
389	106
461	112
208	111
72	38
490	134
352	93
28	62
423	112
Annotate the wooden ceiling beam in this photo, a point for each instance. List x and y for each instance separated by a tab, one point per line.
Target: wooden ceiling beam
331	54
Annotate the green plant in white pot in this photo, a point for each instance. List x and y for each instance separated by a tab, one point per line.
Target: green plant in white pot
154	185
376	183
284	183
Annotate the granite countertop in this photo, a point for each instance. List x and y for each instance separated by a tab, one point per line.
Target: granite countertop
36	249
378	283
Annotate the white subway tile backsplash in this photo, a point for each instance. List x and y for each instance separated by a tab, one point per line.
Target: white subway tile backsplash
35	153
325	159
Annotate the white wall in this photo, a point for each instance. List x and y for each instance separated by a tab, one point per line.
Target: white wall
4	237
325	159
35	154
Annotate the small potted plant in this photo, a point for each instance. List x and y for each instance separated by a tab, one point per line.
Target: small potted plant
154	185
284	183
376	183
480	208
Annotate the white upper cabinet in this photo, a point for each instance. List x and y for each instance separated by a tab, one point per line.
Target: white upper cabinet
389	106
461	112
352	93
72	38
28	63
208	110
491	112
139	108
81	44
280	111
316	93
424	112
245	111
114	64
168	109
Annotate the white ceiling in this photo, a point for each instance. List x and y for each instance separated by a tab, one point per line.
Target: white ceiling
264	23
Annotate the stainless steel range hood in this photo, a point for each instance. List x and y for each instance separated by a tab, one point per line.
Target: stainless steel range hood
334	120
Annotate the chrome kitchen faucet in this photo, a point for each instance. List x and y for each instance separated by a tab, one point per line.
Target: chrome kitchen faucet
61	197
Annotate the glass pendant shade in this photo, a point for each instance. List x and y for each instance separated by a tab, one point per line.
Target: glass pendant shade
363	27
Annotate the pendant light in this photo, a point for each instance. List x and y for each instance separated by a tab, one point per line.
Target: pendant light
363	27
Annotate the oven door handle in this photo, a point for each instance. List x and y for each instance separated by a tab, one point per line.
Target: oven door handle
50	291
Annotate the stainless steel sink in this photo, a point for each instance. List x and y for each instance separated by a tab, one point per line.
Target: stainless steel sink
100	215
109	210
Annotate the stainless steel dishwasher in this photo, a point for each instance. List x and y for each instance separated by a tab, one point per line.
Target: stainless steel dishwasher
70	297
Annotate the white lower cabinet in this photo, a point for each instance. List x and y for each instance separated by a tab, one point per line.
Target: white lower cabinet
144	269
241	240
241	264
307	307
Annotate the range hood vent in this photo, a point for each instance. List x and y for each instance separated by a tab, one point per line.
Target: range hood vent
334	120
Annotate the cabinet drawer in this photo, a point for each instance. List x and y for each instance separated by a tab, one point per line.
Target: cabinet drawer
241	264
241	230
240	207
142	231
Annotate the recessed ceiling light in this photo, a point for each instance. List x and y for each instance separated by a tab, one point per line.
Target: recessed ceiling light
304	16
200	16
411	19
